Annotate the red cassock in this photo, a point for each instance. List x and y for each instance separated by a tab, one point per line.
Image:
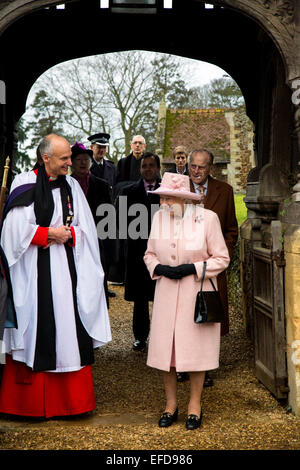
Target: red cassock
43	375
45	394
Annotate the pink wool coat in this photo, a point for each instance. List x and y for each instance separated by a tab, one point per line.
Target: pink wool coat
192	239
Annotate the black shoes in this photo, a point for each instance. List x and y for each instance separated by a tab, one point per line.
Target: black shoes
167	419
111	293
139	345
193	422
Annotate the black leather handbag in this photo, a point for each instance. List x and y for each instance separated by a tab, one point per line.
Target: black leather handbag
208	307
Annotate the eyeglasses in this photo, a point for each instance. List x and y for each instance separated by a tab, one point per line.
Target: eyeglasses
198	167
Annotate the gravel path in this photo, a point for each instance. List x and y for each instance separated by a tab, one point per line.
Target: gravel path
238	412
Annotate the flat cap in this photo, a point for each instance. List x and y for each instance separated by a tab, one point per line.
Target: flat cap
100	139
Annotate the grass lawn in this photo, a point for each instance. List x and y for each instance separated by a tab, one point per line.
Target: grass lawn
240	208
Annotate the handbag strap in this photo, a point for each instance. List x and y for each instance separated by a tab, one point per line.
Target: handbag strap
203	277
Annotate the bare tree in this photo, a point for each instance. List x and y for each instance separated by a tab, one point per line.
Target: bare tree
219	93
117	93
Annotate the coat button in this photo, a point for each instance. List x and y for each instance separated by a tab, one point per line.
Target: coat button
173	257
173	245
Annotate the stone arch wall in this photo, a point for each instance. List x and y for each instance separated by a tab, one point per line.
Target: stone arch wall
279	18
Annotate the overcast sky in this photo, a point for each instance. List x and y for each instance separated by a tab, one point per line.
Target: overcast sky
199	74
203	72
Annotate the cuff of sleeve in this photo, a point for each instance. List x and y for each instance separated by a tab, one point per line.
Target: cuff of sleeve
154	276
40	236
73	240
199	269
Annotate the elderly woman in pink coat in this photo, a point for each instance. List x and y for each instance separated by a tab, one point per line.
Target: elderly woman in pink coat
183	236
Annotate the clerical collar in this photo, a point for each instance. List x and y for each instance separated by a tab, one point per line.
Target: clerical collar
51	178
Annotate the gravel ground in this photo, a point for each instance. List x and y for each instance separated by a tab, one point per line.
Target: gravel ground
238	412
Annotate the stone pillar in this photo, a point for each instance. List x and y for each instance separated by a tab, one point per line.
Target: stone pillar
241	149
292	311
290	216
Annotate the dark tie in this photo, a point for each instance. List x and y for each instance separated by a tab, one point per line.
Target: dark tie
150	187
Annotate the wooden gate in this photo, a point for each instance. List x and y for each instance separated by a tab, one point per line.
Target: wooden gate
269	314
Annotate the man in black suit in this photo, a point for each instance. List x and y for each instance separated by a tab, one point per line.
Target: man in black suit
97	192
139	287
101	167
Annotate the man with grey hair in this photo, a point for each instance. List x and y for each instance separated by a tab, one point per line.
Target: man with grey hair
128	171
50	240
128	168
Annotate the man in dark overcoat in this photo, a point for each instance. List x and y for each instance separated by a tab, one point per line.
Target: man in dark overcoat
139	287
128	171
128	168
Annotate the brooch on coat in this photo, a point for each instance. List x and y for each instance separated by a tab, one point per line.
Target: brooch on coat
198	218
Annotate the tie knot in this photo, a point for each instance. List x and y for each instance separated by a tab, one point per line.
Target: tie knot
150	187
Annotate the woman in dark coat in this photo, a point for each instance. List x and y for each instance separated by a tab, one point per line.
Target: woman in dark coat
97	192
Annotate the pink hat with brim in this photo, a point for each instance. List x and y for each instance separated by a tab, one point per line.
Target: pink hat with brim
175	185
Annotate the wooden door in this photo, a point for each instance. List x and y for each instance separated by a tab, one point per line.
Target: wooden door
269	314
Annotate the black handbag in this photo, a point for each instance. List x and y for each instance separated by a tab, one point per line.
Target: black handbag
208	307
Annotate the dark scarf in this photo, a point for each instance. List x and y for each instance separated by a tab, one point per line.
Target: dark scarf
41	195
126	170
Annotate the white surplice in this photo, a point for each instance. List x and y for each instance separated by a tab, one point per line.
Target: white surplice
18	230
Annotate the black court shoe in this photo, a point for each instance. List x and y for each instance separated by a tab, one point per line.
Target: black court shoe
193	422
167	419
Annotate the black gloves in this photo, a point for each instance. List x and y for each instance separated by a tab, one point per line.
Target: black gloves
167	271
186	269
175	272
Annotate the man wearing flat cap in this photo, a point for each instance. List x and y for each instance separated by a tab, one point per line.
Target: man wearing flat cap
101	167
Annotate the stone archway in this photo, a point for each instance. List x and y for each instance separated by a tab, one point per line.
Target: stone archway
273	29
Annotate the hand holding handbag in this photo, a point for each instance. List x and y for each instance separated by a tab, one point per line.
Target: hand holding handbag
208	306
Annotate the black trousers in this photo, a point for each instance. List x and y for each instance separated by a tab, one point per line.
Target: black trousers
141	321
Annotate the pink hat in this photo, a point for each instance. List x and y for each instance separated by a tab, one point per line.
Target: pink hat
175	185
